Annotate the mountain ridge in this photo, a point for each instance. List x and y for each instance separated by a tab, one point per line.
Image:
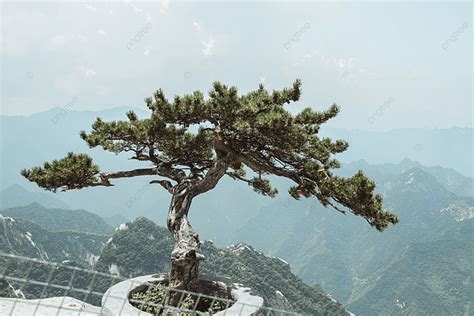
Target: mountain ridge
57	219
349	254
16	195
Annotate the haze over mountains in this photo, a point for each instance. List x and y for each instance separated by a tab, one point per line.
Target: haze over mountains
29	141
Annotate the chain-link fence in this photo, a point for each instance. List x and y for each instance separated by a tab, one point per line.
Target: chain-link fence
30	286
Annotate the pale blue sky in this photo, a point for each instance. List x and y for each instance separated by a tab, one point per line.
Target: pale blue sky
389	65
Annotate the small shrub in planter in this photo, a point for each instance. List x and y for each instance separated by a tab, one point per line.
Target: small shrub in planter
152	299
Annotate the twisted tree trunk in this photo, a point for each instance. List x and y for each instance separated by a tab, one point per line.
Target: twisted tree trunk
185	256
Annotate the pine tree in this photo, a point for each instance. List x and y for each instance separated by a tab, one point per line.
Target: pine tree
191	142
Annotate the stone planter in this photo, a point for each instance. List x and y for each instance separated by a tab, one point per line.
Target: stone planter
116	300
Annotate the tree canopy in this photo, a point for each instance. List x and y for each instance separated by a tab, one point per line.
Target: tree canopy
199	140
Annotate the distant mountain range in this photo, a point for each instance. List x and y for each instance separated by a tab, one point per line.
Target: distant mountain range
429	278
56	219
450	179
347	258
209	217
25	238
16	195
31	140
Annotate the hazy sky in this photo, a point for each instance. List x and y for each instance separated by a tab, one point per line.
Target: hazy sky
388	65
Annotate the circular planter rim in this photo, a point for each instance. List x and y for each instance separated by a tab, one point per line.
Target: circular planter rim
115	301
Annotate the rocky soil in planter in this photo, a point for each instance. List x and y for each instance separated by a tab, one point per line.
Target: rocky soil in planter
151	296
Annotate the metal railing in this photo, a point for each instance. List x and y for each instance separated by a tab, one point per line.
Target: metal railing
31	286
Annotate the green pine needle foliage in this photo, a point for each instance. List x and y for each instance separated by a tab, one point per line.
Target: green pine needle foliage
191	133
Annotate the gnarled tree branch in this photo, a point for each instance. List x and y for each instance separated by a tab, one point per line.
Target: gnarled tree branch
215	173
165	184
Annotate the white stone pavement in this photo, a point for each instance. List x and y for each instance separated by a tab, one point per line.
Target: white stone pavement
60	306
